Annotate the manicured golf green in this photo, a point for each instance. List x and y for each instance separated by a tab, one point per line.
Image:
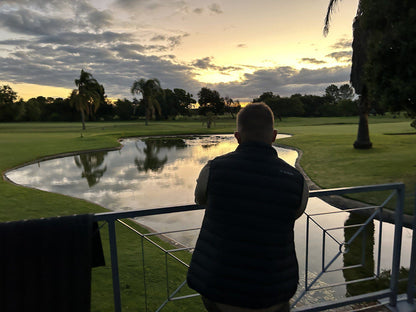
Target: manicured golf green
328	158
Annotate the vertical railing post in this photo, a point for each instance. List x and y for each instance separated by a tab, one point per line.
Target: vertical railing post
114	265
412	270
395	269
307	253
144	275
323	250
380	235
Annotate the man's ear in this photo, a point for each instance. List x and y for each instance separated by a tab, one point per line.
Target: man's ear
237	136
274	135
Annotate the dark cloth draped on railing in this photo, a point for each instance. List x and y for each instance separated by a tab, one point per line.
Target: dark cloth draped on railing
45	264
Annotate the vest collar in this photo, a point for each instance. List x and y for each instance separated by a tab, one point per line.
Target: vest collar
257	146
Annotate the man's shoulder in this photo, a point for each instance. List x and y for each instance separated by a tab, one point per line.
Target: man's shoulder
287	169
224	156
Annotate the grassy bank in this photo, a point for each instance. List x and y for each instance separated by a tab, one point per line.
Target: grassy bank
328	158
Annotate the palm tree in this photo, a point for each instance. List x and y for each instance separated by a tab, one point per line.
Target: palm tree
151	161
88	96
359	58
149	89
91	165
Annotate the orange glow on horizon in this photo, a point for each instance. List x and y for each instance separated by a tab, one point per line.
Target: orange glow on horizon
28	90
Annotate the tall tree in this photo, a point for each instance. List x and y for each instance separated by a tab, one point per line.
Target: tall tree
359	57
9	109
88	96
149	90
124	109
185	100
210	104
210	101
332	92
346	92
390	70
229	103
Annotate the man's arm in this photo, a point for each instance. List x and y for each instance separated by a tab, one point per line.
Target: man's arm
304	201
201	185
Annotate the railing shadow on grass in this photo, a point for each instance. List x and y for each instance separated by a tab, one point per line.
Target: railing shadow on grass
309	285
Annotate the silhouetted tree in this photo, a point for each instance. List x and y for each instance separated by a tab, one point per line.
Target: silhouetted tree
346	92
210	101
390	70
124	109
359	59
332	92
33	110
9	109
90	163
151	159
185	100
149	90
88	96
106	110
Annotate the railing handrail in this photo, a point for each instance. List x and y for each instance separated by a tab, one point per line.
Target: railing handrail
112	217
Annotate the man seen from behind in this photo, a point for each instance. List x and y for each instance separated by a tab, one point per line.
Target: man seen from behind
244	258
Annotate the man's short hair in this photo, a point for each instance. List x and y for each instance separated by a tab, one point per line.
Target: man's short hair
255	122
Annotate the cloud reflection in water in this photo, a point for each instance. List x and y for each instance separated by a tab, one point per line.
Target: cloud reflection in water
145	173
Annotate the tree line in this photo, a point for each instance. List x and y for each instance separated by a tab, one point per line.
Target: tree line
88	102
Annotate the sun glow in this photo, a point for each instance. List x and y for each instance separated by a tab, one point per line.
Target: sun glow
28	90
211	76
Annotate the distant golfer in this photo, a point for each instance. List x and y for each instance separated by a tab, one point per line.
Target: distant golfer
245	258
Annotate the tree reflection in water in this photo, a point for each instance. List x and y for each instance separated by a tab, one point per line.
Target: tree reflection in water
90	163
360	251
151	159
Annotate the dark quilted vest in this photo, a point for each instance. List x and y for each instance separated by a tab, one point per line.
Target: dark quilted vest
245	253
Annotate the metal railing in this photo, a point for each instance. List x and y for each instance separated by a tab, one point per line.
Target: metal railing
411	289
397	192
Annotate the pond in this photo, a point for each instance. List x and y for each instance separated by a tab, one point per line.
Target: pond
158	172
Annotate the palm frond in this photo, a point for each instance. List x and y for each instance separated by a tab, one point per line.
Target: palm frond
331	7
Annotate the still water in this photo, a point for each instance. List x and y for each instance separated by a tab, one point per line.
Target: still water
160	172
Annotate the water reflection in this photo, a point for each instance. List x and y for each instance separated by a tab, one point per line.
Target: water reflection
159	172
151	160
359	258
91	165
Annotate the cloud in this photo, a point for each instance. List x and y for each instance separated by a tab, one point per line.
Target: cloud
100	19
203	63
131	4
341	56
342	44
207	63
49	42
215	8
171	41
284	81
312	61
47	18
158	38
28	22
176	40
41	4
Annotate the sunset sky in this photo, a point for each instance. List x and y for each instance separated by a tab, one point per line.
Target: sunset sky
240	48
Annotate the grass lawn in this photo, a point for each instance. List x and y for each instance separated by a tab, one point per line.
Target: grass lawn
328	158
